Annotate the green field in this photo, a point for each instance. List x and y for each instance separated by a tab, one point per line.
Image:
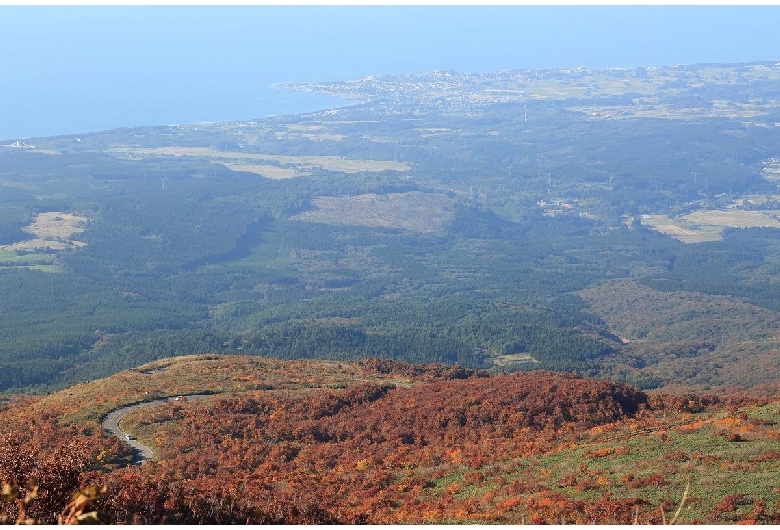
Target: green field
39	261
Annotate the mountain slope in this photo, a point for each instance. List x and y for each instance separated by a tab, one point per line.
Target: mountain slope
382	442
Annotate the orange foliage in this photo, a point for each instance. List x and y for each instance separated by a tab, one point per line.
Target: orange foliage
599	453
366	453
338	452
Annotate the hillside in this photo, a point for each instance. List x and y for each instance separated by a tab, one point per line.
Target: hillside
386	442
733	342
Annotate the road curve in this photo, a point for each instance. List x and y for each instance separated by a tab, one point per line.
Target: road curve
142	453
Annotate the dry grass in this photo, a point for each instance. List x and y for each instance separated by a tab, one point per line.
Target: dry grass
271	172
708	225
664	225
58	225
52	230
330	163
734	218
195	374
415	211
514	358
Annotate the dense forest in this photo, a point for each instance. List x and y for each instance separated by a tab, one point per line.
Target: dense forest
411	230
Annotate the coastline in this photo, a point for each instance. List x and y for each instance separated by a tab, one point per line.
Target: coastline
70	115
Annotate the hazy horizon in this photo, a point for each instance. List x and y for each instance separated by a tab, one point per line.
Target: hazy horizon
70	70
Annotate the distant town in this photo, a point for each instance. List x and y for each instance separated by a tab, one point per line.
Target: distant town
640	92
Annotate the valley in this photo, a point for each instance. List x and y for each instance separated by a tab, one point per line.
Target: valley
442	218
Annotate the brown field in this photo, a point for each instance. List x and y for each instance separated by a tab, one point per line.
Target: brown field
337	163
514	358
305	128
415	211
333	137
331	163
56	225
664	225
264	170
756	200
53	230
33	245
708	225
734	218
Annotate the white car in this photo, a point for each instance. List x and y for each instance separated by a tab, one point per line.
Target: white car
130	436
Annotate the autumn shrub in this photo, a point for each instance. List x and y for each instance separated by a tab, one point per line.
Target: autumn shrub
444	445
730	503
655	479
769	456
688	402
56	473
473	478
733	436
613	511
331	443
600	453
74	512
677	456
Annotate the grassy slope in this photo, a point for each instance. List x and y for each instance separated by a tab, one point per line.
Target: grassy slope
193	374
566	474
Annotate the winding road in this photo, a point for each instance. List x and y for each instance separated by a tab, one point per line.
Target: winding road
142	453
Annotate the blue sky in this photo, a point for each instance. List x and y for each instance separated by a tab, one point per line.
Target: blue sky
317	40
89	60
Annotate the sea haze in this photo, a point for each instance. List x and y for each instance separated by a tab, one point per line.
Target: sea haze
47	114
79	69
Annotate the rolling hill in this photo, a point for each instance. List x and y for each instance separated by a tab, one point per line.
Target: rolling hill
375	441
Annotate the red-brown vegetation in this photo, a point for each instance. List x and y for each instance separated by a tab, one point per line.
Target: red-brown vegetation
355	453
446	445
38	455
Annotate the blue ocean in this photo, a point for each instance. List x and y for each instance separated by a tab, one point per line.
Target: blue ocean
53	114
77	69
